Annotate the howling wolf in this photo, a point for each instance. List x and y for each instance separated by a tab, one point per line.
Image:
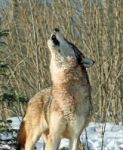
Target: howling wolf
63	110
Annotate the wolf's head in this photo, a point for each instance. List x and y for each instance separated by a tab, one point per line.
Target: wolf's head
62	48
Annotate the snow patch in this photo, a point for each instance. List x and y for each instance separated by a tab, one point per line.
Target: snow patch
95	137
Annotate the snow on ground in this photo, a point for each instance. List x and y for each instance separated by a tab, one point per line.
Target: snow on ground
96	136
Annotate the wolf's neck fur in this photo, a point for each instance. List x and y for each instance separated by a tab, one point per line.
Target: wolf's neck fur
66	71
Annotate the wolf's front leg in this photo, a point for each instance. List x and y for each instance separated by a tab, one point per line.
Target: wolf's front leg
56	128
74	143
53	141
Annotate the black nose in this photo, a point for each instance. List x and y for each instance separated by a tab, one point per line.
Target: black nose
56	30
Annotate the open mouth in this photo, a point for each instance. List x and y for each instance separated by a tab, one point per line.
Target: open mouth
54	39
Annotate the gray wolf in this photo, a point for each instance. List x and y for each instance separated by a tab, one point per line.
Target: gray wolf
64	109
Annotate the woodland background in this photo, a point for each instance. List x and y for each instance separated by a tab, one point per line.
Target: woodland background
95	26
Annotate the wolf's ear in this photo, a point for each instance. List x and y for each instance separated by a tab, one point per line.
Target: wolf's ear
87	62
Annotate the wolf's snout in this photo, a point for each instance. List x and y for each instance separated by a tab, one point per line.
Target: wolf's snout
54	39
93	62
56	30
